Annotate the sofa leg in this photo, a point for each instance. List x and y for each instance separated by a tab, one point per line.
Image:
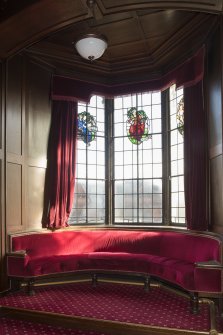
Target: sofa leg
30	289
220	306
15	284
194	303
94	280
147	283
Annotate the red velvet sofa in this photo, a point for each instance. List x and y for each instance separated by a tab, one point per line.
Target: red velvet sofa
190	260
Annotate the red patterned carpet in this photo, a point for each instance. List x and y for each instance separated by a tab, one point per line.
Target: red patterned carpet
8	326
115	302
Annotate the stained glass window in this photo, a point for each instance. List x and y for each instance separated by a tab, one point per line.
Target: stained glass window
180	116
137	126
87	127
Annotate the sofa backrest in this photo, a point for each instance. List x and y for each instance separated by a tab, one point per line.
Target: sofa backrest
190	247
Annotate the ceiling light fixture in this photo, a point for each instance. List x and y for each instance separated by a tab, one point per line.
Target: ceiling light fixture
91	46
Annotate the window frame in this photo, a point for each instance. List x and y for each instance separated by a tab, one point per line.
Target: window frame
109	168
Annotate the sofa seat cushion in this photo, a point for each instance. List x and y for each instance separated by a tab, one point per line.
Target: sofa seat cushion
119	261
173	270
53	264
176	271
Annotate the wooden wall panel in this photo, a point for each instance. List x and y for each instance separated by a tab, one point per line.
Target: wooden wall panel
14	106
3	278
39	80
14	196
38	124
15	145
216	194
23	148
36	178
214	98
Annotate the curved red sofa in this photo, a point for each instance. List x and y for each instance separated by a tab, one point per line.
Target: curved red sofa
190	260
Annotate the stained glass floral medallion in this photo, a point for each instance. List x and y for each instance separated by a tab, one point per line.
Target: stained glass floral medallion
137	126
87	127
180	116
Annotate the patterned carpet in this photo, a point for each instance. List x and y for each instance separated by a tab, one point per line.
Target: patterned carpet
9	326
116	302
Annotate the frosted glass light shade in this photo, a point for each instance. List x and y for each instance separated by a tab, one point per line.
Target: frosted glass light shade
91	46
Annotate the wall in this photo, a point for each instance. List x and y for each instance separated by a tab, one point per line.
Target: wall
26	120
214	107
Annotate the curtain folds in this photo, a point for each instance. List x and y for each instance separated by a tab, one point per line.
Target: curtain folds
60	173
195	158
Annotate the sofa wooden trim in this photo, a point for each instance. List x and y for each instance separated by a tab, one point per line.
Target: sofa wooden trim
19	253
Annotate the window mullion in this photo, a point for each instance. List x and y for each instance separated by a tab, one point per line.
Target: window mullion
109	162
166	158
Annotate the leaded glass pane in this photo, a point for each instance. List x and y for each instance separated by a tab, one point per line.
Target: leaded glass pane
156	111
157	156
119	158
89	194
81	171
128	170
177	155
119	172
142	163
92	186
118	144
119	129
100	172
119	201
157	170
91	171
156	98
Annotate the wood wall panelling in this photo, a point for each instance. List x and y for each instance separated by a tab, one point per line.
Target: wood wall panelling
3	279
2	229
38	85
15	137
2	89
36	179
216	182
215	95
14	107
38	124
214	99
14	196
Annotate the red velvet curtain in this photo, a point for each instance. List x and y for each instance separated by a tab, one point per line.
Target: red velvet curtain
60	173
186	74
195	158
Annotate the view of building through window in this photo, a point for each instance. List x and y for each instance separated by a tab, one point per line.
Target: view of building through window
138	170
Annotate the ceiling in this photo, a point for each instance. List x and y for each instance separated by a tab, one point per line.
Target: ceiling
145	38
